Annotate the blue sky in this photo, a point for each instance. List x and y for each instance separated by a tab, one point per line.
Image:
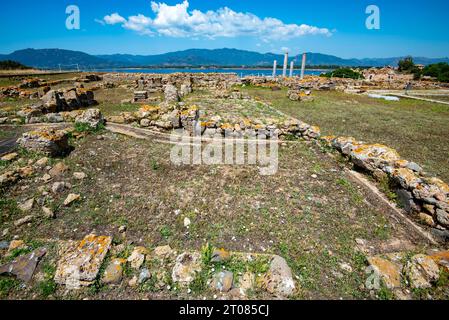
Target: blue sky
334	27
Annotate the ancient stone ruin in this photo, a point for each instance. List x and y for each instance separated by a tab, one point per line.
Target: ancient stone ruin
47	141
54	102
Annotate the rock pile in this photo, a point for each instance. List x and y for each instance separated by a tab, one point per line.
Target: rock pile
194	120
399	272
184	82
171	94
47	141
91	117
299	95
340	84
90	78
80	264
67	100
54	102
30	84
81	261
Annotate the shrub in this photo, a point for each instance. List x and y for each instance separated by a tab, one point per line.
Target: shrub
406	65
12	65
437	70
344	73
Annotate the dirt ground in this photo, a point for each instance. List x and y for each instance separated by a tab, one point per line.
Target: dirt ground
311	212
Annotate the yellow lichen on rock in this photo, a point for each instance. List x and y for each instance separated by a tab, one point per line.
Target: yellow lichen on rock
80	262
389	272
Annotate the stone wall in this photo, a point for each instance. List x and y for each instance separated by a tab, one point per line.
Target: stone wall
54	102
321	83
182	81
192	119
424	198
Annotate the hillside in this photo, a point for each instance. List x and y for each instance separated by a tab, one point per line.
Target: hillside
52	58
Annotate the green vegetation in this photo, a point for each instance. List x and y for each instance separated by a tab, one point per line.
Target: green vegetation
8	209
12	65
84	127
47	286
206	253
385	185
6	285
407	65
343	73
165	232
418	130
384	293
154	165
438	70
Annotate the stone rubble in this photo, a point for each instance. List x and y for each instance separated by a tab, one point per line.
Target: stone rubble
23	267
92	117
80	261
48	141
114	272
137	257
279	279
187	265
223	281
398	272
425	198
71	198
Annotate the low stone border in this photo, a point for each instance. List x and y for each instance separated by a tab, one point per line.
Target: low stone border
187	117
426	198
95	260
401	273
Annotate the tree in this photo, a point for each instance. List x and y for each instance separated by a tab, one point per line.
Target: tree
12	65
343	73
440	71
406	65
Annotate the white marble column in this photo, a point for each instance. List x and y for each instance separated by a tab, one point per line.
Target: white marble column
303	66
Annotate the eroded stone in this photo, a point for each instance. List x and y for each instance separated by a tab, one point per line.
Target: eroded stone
186	266
23	267
279	280
80	262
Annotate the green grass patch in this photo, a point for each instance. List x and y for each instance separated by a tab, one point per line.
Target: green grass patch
416	129
48	286
6	285
84	127
165	232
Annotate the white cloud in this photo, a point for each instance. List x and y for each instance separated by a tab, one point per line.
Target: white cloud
114	19
177	21
139	23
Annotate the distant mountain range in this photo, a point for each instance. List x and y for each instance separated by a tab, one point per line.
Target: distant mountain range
52	58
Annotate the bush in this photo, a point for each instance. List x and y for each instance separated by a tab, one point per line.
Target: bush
12	65
438	70
406	65
344	73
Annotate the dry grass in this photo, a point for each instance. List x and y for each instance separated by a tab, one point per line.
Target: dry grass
418	130
312	222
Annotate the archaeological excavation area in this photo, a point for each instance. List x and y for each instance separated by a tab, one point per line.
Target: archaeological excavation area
355	204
